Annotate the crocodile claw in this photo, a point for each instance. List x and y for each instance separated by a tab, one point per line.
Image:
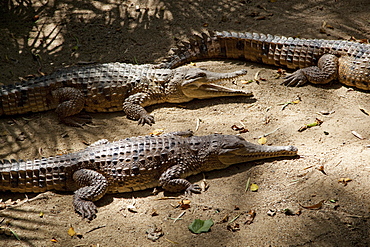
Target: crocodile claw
146	119
295	79
194	188
86	209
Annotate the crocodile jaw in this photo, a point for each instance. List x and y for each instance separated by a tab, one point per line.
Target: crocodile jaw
230	149
198	83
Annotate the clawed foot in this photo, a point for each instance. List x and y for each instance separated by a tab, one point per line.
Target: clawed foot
194	188
295	79
86	209
77	120
146	119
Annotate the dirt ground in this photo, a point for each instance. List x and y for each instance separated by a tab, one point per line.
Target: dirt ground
46	35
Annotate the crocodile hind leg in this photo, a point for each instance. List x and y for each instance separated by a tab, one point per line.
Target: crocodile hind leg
325	71
93	187
170	180
71	102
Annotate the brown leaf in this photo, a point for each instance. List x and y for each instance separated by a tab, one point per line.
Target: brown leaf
154	212
234	227
240	129
321	169
71	232
344	181
250	217
184	204
315	206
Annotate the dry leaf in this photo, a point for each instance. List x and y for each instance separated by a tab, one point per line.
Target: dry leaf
321	169
250	217
54	240
262	140
271	212
184	204
234	227
240	129
154	212
344	181
204	185
157	132
154	233
71	231
254	187
314	207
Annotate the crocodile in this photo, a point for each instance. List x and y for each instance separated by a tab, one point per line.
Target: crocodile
113	87
132	164
318	61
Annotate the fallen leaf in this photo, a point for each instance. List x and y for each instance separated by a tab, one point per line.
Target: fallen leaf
184	204
325	112
154	212
262	140
315	206
54	240
204	185
154	233
344	181
240	129
157	132
41	214
199	226
321	169
233	228
71	231
250	217
271	212
254	187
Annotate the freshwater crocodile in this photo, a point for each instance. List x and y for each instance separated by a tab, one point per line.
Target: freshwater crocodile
113	87
319	61
132	164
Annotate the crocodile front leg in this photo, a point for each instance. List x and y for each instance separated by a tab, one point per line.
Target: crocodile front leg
71	102
134	111
170	180
93	187
325	71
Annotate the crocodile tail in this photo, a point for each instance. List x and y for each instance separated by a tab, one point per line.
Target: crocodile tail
23	97
203	46
35	176
255	47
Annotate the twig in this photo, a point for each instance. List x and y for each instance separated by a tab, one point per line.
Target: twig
267	134
95	228
178	217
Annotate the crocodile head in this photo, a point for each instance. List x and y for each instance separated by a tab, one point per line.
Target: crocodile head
190	83
230	149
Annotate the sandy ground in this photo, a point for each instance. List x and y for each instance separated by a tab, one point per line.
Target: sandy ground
67	32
